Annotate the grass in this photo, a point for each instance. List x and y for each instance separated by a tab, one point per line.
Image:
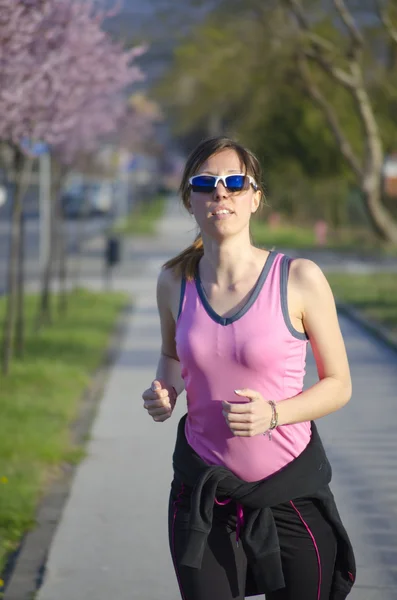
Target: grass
374	295
303	237
286	236
143	219
39	400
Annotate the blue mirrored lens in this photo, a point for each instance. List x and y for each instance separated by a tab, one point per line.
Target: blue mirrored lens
203	183
235	183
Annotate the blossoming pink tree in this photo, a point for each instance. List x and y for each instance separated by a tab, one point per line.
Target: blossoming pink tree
61	82
93	109
139	123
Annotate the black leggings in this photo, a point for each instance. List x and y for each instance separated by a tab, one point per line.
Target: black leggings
307	543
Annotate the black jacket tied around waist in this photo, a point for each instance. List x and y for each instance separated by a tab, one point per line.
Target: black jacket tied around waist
308	475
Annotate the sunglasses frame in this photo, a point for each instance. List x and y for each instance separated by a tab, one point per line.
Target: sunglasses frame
223	178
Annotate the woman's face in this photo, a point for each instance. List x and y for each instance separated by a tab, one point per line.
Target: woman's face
223	213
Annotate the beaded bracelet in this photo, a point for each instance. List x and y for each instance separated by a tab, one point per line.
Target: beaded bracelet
274	420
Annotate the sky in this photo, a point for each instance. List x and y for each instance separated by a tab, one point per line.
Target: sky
158	22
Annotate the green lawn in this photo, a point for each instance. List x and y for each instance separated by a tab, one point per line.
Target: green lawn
374	295
142	220
302	237
285	236
39	400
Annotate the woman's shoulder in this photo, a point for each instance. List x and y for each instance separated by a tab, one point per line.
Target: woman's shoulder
306	276
305	270
169	278
169	289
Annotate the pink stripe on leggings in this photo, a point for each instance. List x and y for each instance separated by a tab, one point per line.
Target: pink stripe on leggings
176	503
315	547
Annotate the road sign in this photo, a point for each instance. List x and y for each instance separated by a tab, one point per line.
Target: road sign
35	148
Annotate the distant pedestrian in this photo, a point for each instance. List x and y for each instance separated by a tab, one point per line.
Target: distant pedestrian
112	258
250	509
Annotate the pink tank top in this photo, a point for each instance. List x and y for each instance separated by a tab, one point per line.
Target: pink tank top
257	348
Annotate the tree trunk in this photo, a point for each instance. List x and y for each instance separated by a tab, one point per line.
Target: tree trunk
379	216
20	316
80	237
22	167
77	264
62	259
44	313
371	179
214	124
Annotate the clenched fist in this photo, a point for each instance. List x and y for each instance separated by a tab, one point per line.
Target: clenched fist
159	401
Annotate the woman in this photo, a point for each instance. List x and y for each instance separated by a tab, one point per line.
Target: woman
250	508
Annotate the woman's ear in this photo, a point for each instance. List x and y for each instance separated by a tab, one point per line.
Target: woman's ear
256	200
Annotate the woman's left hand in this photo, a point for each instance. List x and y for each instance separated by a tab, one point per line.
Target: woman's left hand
248	419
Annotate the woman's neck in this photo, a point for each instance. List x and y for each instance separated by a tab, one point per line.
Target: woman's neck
229	262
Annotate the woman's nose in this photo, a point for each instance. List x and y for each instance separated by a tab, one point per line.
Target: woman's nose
220	190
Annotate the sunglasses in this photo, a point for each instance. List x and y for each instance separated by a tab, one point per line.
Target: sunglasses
233	183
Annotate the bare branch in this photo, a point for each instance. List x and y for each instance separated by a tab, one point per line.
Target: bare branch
338	74
330	115
319	47
365	111
386	21
317	40
299	13
348	19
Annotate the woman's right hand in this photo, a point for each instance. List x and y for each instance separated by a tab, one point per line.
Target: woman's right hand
159	401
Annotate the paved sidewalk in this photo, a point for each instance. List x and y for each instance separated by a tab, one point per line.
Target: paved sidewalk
112	539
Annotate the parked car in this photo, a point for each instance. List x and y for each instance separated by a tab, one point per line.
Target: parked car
74	204
87	199
100	198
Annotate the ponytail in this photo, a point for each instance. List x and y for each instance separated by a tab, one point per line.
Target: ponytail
185	263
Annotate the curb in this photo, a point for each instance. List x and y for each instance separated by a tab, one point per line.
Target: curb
24	571
379	332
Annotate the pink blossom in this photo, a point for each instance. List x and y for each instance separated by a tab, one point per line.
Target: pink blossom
62	78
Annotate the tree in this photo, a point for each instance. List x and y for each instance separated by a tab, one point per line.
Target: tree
138	126
344	64
60	75
340	56
98	71
252	87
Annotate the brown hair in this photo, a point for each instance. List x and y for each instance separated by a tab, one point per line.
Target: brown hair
186	262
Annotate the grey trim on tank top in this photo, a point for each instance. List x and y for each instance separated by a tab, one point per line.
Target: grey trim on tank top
240	313
182	295
284	270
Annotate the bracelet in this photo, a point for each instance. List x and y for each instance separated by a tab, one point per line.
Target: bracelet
274	419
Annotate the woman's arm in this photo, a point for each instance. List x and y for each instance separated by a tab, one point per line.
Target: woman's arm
315	305
160	398
169	367
333	390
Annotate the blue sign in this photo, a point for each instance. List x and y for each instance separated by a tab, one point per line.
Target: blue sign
35	148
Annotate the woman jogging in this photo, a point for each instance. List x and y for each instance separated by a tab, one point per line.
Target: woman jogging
250	509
